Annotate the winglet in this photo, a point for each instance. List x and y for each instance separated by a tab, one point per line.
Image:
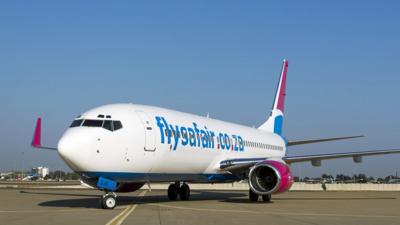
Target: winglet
36	141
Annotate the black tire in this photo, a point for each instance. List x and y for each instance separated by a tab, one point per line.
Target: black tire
184	192
267	198
173	192
253	196
108	202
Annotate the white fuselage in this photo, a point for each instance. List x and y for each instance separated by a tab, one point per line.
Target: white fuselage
154	144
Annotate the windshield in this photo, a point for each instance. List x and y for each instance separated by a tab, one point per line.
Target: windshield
111	125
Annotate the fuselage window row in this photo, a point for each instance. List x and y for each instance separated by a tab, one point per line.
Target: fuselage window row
251	144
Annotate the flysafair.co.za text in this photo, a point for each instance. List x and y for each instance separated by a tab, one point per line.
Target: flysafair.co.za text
196	136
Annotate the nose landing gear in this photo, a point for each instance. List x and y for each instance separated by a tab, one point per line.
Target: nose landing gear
176	189
108	201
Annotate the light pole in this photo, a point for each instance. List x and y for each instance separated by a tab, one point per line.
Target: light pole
22	165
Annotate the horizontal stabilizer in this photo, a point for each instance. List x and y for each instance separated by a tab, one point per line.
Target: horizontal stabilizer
303	142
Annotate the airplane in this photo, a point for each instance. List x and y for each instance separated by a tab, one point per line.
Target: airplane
31	177
120	147
5	176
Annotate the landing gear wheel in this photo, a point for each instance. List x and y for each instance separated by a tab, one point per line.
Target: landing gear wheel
173	190
267	198
109	201
184	192
253	196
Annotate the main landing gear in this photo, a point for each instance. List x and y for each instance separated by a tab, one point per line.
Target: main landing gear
254	197
108	200
176	189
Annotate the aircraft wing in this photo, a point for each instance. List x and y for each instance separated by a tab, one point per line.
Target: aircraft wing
240	164
303	142
357	156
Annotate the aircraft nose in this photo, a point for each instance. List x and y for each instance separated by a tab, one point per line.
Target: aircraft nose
72	148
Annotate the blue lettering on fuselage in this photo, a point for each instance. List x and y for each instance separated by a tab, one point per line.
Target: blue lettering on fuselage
195	136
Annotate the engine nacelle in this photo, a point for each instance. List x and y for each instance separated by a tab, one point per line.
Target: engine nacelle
269	177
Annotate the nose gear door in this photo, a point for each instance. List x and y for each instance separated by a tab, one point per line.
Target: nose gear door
150	137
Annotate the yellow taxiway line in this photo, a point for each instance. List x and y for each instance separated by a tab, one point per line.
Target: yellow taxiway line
119	219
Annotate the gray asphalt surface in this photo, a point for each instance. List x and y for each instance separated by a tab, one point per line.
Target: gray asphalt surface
32	206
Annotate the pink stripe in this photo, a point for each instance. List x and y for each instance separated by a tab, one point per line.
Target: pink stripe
282	88
36	142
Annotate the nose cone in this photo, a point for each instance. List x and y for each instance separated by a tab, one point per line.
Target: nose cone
74	147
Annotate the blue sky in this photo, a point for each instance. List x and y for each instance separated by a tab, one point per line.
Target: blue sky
58	59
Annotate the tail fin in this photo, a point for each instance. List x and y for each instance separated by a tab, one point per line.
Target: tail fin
275	120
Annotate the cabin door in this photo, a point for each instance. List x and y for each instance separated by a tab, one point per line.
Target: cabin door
150	137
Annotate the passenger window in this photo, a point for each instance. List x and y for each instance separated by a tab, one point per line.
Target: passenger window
76	123
108	125
117	125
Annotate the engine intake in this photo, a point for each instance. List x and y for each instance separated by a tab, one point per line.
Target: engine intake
269	177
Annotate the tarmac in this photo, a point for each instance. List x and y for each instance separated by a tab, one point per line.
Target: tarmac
73	206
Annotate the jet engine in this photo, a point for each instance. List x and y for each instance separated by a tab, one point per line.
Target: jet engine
269	177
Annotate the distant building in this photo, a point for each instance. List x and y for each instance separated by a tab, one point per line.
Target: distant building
40	171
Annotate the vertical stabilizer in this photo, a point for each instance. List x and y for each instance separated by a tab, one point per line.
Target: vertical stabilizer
275	120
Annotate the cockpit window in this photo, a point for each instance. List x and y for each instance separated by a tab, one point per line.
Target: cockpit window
92	123
117	125
76	123
111	125
108	125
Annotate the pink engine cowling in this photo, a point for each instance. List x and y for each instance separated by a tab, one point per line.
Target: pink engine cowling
269	177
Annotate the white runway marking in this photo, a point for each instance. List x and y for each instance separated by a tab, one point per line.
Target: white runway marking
275	213
119	219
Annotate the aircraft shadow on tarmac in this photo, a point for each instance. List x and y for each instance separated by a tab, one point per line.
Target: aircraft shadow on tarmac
54	193
92	200
244	200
